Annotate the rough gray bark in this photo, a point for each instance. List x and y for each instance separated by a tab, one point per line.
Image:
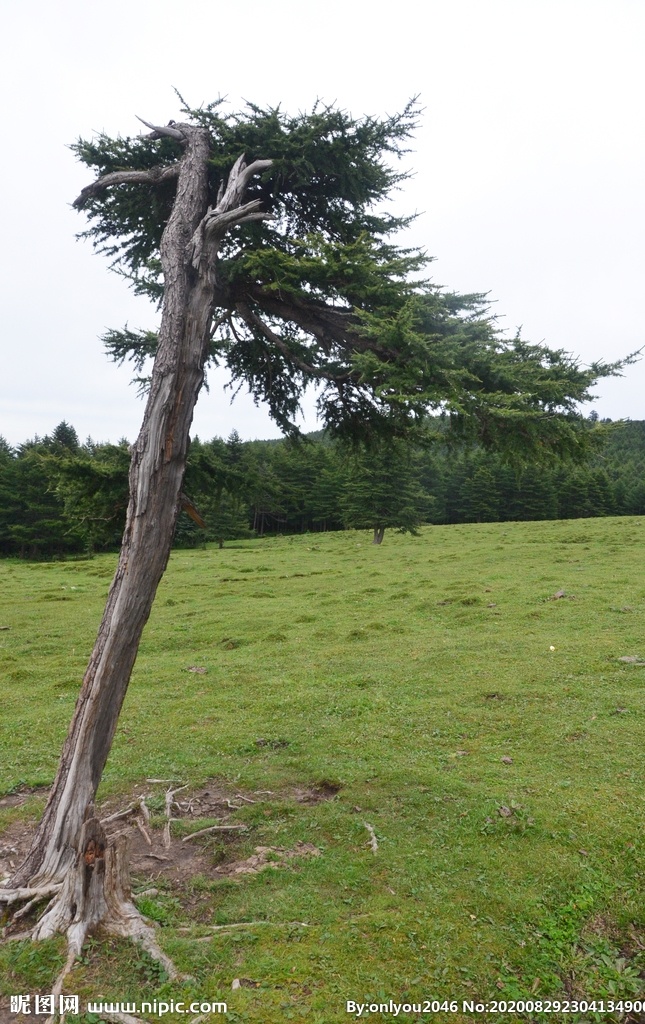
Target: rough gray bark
189	249
96	894
379	533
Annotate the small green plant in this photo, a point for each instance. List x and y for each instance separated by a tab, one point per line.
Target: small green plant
153	972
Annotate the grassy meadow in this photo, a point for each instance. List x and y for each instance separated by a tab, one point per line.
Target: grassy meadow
433	688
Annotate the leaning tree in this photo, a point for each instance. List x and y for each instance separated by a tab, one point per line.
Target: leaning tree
268	245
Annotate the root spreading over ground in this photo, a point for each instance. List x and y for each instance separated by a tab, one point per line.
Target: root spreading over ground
95	895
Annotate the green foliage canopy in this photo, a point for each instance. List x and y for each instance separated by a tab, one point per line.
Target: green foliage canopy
322	294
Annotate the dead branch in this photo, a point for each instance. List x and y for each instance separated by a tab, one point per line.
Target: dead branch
144	809
373	839
238	179
118	814
214	225
229	209
153	176
143	830
166	129
247	799
215	828
221	219
170	796
255	168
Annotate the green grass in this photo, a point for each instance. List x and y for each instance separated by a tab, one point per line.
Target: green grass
402	674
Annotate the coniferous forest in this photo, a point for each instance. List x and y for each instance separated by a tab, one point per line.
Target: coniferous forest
61	497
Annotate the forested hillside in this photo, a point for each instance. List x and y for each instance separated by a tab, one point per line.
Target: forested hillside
58	496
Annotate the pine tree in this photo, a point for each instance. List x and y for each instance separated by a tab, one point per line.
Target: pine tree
92	483
263	238
480	500
382	490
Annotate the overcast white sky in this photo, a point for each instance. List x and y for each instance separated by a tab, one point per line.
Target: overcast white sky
528	168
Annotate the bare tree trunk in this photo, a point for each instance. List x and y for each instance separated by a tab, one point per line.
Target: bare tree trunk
379	533
188	251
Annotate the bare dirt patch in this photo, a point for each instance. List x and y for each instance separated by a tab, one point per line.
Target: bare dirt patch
156	852
315	794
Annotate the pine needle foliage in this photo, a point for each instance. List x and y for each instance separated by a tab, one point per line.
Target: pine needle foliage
323	295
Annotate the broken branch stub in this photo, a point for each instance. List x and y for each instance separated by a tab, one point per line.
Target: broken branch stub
158	131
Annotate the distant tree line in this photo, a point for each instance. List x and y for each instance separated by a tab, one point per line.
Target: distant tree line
60	497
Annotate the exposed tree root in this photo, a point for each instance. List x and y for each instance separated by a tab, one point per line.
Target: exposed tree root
143	830
170	800
126	812
21	893
253	924
15	936
95	896
245	924
373	839
215	828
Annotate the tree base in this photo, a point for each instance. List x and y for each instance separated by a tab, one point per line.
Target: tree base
95	896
